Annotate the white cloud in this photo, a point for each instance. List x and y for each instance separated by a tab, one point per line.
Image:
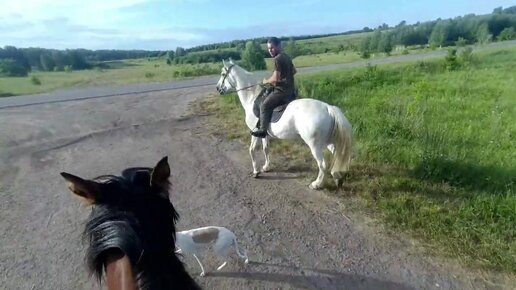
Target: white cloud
90	24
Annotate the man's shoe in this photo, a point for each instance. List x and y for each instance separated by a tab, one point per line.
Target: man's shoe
260	133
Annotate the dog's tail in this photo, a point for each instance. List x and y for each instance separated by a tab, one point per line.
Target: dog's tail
240	254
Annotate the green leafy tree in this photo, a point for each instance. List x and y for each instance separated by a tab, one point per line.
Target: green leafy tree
291	48
180	52
439	34
252	56
375	40
170	55
507	34
483	35
46	62
11	68
385	43
461	42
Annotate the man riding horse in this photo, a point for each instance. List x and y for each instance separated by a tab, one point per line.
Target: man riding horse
282	82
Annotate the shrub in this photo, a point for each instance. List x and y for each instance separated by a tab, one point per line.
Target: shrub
35	80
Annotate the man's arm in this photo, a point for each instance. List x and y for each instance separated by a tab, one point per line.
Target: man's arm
274	78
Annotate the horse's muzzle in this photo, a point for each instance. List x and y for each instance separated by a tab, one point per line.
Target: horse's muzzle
221	90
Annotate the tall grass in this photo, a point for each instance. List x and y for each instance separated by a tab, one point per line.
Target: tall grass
435	150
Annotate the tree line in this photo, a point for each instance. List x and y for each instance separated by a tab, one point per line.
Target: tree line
20	61
498	26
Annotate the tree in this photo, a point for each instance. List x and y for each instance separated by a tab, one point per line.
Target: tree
439	34
180	52
170	55
76	60
375	39
291	48
252	56
47	62
16	55
12	68
483	35
507	34
385	43
461	42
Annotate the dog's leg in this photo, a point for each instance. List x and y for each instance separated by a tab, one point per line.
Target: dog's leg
202	268
241	255
222	266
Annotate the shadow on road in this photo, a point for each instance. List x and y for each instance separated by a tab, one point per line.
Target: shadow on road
311	278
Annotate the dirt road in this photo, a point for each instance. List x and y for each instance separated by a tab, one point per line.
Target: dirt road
296	238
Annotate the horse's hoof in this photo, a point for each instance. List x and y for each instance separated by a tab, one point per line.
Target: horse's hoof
314	186
255	174
246	261
266	169
202	274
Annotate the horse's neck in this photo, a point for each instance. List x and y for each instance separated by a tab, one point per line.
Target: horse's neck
164	271
246	91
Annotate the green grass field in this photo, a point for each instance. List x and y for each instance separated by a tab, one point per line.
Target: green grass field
118	73
434	151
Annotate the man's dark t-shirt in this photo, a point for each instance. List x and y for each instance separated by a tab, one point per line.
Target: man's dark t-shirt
283	64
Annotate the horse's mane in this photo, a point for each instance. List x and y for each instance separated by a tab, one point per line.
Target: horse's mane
138	220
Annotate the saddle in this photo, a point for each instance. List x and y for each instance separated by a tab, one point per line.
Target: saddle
278	111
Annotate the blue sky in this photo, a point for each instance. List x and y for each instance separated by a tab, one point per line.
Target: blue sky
164	25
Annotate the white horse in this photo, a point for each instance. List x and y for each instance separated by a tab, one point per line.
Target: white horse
320	125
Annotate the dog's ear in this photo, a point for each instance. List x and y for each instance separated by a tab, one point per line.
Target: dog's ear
87	189
160	174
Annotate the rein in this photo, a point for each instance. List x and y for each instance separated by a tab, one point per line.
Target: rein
233	85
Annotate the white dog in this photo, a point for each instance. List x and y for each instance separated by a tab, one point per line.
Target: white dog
196	240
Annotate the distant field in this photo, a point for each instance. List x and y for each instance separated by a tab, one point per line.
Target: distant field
120	72
434	149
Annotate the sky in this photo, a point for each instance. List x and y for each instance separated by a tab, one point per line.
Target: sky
167	24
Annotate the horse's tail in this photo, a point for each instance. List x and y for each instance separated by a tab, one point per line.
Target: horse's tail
342	136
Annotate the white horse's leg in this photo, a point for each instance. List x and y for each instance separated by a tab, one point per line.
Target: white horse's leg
252	149
265	145
317	152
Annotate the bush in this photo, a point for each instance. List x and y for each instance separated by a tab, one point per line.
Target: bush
451	60
149	75
466	56
35	80
461	42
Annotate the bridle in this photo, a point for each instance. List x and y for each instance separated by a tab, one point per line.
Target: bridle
234	85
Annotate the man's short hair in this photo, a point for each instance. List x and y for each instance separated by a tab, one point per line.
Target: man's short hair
274	41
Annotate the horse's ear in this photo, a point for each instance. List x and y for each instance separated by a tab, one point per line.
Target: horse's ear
160	174
231	61
87	189
224	62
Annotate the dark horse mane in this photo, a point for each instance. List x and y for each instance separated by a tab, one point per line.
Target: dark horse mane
137	219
